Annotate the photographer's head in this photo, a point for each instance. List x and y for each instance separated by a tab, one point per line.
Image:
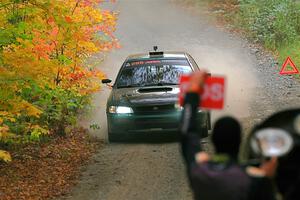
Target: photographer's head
226	136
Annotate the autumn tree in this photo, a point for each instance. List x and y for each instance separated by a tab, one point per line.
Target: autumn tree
44	79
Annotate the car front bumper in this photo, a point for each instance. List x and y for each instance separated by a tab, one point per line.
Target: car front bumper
159	123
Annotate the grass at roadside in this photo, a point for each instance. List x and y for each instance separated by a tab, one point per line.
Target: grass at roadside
274	24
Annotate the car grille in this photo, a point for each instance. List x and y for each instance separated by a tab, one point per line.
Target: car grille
154	109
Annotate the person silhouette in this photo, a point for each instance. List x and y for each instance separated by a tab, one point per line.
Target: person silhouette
220	176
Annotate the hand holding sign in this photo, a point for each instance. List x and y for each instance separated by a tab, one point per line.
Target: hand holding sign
212	94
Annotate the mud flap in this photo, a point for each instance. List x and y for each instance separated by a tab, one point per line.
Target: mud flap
208	120
204	132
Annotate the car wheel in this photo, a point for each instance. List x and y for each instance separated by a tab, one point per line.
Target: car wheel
112	138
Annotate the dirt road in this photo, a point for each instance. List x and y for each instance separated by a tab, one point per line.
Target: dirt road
156	171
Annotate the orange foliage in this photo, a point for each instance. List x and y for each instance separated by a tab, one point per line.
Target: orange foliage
50	42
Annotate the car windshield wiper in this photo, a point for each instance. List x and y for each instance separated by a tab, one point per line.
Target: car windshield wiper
160	84
167	83
126	86
146	85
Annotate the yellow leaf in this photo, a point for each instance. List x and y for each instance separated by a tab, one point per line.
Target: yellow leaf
5	156
3	129
11	119
3	113
31	109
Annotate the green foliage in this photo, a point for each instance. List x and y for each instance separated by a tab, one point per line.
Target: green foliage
60	106
95	126
60	110
272	22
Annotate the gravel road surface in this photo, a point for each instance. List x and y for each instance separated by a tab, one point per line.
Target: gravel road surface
156	171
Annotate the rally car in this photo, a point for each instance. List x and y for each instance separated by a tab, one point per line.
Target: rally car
144	97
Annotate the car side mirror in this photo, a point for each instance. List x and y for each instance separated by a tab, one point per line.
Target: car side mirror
106	81
271	142
277	136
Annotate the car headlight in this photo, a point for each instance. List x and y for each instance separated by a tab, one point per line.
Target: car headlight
178	107
120	109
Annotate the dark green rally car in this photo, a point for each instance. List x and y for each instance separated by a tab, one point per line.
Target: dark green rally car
144	97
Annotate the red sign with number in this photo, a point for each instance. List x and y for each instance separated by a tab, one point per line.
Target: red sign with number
213	94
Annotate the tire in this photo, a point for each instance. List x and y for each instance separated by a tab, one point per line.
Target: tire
112	138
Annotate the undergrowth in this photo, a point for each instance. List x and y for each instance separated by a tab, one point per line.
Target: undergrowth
275	24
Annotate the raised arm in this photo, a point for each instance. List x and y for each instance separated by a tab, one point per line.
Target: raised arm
190	140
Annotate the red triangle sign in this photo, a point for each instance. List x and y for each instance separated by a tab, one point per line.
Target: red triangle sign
288	62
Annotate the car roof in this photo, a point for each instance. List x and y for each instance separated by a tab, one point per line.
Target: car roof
166	54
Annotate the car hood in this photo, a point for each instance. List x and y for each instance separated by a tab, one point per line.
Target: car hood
158	95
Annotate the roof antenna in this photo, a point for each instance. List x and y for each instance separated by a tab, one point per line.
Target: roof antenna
155	48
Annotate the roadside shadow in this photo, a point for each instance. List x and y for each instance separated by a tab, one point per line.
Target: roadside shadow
149	138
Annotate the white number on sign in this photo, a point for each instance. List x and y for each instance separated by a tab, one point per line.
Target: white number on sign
213	91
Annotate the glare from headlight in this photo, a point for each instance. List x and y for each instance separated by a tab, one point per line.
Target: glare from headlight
120	110
112	109
123	109
178	107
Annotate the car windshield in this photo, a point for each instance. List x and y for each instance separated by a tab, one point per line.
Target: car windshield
152	73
